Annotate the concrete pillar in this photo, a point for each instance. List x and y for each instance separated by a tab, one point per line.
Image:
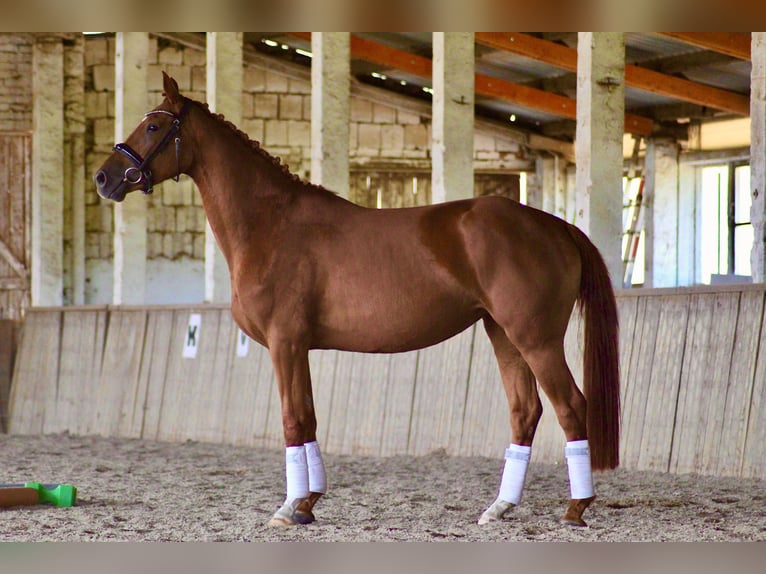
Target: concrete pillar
551	172
598	146
687	225
74	170
131	103
224	96
453	116
758	155
661	201
330	103
47	172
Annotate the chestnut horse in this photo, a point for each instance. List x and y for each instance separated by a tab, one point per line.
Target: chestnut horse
310	270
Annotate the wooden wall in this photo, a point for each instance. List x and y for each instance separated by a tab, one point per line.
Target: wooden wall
693	375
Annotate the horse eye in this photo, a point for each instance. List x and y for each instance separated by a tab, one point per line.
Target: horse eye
152	128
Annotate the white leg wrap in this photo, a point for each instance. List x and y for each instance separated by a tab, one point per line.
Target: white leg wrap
297	472
317	475
515	472
580	475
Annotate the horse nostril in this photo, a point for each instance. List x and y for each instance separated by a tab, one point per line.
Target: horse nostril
101	179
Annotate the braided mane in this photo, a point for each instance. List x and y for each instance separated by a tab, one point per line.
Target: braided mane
256	147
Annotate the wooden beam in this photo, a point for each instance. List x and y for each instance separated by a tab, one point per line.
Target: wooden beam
635	76
532	98
735	44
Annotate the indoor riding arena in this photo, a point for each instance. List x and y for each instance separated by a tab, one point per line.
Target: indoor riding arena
153	350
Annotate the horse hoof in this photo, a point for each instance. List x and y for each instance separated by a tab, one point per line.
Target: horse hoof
495	512
573	515
279	521
304	517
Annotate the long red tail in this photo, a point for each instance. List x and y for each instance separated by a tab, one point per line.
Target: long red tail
601	361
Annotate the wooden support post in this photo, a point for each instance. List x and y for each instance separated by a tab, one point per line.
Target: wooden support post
224	96
330	105
47	172
598	146
758	155
453	116
131	103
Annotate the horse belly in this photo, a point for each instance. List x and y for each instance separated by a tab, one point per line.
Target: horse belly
376	320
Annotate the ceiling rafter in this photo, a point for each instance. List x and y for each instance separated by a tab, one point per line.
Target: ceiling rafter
635	76
735	44
554	104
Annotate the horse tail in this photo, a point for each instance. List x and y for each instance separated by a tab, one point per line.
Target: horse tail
601	360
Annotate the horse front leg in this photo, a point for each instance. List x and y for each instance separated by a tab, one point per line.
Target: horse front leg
304	468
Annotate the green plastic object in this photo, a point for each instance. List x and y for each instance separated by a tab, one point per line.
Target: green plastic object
62	495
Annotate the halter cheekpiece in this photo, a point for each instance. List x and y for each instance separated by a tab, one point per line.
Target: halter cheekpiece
139	171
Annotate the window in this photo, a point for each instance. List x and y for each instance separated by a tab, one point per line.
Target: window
726	234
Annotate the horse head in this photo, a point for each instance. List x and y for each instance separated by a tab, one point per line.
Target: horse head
152	153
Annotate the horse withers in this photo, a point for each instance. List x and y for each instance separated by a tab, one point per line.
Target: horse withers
310	270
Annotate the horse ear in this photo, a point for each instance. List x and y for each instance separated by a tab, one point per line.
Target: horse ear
170	87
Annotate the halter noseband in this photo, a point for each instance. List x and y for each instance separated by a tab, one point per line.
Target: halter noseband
139	171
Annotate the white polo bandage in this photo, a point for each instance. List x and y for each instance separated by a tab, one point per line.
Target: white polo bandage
577	454
515	472
297	472
317	476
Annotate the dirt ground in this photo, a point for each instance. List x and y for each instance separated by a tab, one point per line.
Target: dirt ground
135	490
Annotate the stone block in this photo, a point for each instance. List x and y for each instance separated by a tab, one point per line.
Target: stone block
361	110
383	114
254	128
299	133
290	107
254	79
266	106
198	246
194	57
96	105
369	137
199	78
416	136
248	105
103	131
307	108
276	82
299	87
96	52
405	117
392	139
170	55
103	78
275	133
483	142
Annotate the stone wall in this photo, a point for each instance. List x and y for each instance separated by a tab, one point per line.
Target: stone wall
16	82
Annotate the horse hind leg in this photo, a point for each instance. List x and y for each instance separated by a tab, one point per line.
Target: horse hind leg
525	412
548	363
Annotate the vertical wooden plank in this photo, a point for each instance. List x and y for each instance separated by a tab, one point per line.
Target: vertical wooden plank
484	391
720	353
322	364
33	390
118	382
662	384
212	382
81	354
706	355
399	396
188	380
741	380
340	405
367	404
754	454
151	387
440	394
251	384
634	409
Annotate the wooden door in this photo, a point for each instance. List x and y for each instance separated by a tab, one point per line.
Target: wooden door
15	185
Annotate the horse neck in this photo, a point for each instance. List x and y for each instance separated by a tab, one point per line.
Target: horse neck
242	190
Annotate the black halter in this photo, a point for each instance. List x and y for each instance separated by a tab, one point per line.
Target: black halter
140	171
